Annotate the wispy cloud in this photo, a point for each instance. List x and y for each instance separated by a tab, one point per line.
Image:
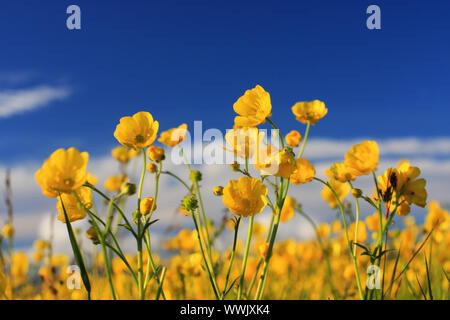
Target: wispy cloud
22	100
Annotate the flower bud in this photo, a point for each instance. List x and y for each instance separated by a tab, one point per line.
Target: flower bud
357	193
293	138
155	153
91	234
218	191
195	176
151	167
128	188
189	203
235	166
146	205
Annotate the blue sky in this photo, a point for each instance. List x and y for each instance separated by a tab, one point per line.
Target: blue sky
186	61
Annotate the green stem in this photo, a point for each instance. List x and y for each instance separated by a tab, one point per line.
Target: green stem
355	264
244	262
233	253
305	138
139	239
279	133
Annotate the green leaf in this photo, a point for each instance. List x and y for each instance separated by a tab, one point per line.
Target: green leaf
77	252
428	278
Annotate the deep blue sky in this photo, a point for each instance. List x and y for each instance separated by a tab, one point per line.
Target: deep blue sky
191	60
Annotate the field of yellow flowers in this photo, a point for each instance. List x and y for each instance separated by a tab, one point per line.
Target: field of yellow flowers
349	258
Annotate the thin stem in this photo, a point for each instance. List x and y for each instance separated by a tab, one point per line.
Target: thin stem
139	239
341	208
244	262
276	128
305	138
233	253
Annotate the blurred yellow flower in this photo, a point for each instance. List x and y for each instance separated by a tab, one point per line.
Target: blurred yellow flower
253	108
362	158
8	231
19	265
373	222
323	230
113	183
74	209
138	131
362	231
245	197
63	172
245	141
91	179
341	189
340	172
303	173
151	167
293	138
310	111
287	213
270	161
123	154
436	216
173	136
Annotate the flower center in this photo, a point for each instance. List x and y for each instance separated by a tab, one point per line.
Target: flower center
68	182
139	138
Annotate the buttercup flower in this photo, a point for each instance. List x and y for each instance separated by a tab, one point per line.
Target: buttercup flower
156	153
173	136
253	108
8	231
63	172
293	138
341	189
244	141
218	190
340	172
74	209
436	216
138	131
413	189
151	167
362	158
245	196
311	111
123	154
303	173
113	183
269	161
287	213
91	179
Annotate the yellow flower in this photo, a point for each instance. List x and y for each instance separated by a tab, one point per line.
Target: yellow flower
287	213
436	216
269	161
373	222
63	172
362	158
244	141
156	153
146	205
173	136
311	111
41	244
113	183
253	108
19	265
293	138
74	209
8	231
123	154
92	235
303	173
245	197
91	179
362	231
138	131
341	189
413	189
151	167
323	230
340	172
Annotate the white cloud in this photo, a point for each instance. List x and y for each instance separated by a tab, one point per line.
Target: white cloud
21	100
33	210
